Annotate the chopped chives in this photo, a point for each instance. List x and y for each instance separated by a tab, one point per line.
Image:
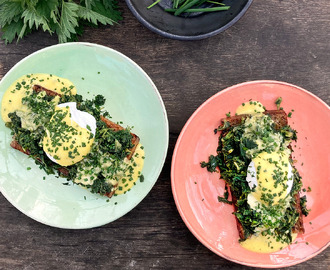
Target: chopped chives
191	6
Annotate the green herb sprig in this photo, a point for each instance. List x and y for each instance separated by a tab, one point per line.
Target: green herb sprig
190	6
65	18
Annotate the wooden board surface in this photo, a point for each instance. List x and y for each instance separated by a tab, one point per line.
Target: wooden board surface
278	40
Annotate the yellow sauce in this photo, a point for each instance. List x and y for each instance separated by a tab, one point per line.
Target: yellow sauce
12	99
123	180
124	184
264	244
79	139
257	122
250	107
266	182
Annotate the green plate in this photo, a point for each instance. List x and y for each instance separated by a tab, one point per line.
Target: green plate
131	97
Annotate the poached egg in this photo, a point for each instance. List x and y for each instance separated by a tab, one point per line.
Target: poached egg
69	134
270	179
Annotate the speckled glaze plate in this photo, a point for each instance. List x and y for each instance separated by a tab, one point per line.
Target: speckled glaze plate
131	97
195	190
196	27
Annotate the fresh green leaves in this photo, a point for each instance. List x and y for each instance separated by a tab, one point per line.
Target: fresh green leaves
212	164
303	204
65	18
278	102
12	30
10	11
32	17
93	16
190	6
224	199
68	21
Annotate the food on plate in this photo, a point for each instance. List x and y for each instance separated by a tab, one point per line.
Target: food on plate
71	136
177	7
254	157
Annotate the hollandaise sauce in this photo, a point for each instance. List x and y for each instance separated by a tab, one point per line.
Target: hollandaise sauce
121	176
264	243
250	107
12	100
254	158
65	134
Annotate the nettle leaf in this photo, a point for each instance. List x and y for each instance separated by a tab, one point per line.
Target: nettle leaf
68	21
65	17
9	11
88	3
107	8
12	30
33	18
110	5
44	8
28	3
50	10
93	16
54	16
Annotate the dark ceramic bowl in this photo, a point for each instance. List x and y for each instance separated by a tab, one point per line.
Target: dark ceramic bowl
191	27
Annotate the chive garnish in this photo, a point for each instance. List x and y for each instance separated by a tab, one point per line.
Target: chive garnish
190	6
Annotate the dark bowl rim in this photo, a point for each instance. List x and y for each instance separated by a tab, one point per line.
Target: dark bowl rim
181	37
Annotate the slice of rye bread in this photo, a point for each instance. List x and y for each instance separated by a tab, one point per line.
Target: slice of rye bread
63	170
280	120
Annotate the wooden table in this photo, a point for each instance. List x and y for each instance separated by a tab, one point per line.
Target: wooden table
279	40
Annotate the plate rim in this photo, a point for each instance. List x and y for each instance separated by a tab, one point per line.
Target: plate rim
175	194
166	134
154	29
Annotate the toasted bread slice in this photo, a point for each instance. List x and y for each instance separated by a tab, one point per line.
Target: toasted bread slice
280	120
278	116
63	170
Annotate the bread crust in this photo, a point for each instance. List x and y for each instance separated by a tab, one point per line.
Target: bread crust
278	116
112	125
280	120
38	89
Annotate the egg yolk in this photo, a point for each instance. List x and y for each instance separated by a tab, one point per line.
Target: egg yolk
272	171
250	107
66	141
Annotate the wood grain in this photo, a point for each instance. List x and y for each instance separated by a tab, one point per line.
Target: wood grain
280	40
